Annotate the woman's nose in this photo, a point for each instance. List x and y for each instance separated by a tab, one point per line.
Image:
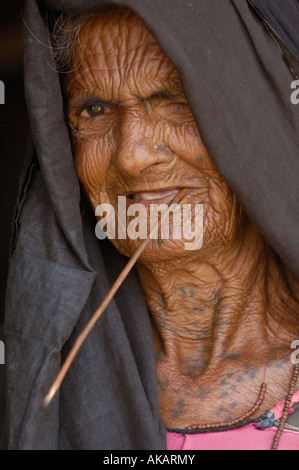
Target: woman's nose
137	150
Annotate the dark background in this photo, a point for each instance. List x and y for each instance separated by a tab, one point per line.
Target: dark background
13	134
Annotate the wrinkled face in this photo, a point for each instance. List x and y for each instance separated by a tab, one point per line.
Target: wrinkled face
134	134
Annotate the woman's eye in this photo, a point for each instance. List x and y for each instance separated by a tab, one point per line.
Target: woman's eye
92	111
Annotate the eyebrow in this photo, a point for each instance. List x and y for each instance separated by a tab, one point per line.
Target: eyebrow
82	102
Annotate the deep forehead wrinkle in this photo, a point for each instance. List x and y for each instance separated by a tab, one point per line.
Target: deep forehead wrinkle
110	85
120	65
118	32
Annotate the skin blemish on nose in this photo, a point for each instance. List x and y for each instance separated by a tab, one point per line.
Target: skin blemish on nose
199	158
163	148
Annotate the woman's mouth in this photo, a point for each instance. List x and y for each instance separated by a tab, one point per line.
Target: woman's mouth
154	197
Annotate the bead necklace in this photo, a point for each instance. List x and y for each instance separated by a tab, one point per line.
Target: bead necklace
255	407
234	422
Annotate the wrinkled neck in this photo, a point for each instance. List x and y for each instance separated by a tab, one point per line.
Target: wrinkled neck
214	306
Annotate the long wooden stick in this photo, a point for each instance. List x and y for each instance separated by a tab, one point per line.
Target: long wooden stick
81	338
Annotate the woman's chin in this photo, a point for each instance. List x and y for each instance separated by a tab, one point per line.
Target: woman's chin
157	250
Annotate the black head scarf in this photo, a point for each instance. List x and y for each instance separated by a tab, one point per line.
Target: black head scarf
236	60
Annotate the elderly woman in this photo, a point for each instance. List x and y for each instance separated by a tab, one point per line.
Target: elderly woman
194	351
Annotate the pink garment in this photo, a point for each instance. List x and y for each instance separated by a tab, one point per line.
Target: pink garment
243	438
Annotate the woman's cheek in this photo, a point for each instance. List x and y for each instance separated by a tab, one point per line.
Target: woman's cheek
187	144
92	163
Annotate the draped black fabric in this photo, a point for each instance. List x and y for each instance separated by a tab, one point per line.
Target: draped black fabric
283	17
238	85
